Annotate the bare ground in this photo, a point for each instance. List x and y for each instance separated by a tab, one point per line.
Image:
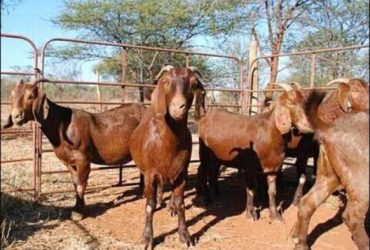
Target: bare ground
116	215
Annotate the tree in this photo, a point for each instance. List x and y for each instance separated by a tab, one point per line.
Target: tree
335	24
7	4
150	23
270	26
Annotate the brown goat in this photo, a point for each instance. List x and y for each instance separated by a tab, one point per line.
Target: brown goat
161	145
255	145
300	146
77	137
343	159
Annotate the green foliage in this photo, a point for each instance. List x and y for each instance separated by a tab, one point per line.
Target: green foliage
150	23
335	24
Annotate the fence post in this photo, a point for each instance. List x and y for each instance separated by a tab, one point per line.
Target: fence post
313	68
124	63
252	98
98	90
37	138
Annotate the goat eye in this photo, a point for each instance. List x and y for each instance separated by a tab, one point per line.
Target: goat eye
30	97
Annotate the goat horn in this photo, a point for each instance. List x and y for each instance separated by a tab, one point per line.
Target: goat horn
296	85
37	81
338	80
196	71
164	69
285	86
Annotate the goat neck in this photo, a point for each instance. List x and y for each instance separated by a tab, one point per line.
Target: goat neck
57	117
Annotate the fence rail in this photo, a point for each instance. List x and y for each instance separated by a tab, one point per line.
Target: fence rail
244	101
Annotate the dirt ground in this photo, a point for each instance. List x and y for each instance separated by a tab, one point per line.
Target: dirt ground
116	215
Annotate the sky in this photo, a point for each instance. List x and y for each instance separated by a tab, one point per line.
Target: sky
29	18
32	19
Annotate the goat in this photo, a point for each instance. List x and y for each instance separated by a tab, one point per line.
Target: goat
340	163
78	138
303	146
255	144
300	146
161	145
339	120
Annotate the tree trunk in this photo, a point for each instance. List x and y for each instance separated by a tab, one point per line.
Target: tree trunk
274	67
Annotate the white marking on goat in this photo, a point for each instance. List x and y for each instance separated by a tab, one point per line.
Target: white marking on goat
250	192
79	189
148	209
302	179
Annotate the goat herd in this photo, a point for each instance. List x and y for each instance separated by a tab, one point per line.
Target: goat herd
160	143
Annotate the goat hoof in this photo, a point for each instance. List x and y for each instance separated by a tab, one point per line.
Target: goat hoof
148	241
77	216
185	237
172	210
251	214
276	217
301	247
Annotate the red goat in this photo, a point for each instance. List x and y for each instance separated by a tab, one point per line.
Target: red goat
255	144
161	145
343	159
77	137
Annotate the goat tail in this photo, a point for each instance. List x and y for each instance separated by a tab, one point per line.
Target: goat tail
313	101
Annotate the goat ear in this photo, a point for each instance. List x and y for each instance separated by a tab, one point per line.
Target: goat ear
158	99
40	109
344	97
200	109
148	91
283	121
9	122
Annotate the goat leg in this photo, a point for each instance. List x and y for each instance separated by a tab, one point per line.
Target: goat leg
354	217
178	200
80	174
299	191
160	195
151	202
271	182
201	179
171	206
250	189
213	175
309	203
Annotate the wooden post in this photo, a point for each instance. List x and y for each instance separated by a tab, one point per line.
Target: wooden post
124	63
252	78
98	90
313	67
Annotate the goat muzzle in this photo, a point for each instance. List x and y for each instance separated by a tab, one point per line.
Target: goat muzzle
18	118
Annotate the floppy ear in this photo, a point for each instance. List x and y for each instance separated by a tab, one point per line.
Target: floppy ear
158	99
344	98
283	121
148	93
199	94
9	122
200	109
40	109
196	72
